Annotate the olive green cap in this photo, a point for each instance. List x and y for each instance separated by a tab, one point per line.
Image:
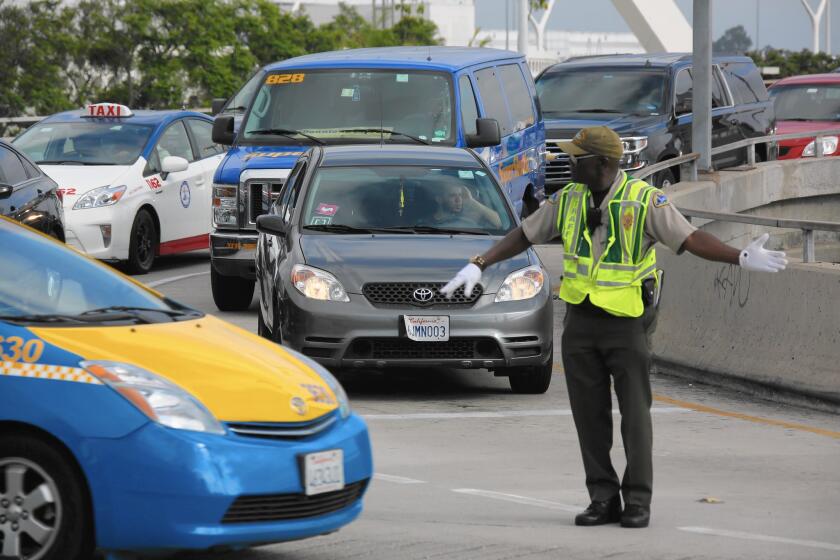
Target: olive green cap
598	140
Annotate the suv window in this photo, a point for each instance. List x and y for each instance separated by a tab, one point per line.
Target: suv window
684	91
745	82
202	132
492	99
469	109
11	169
519	100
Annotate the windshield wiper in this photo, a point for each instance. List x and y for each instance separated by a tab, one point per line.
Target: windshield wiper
71	162
341	228
386	131
443	230
130	309
286	132
43	318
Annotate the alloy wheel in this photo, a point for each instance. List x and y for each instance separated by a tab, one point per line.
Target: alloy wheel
30	509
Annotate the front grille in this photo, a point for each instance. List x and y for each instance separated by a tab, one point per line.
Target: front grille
277	430
280	507
395	294
559	170
467	348
261	195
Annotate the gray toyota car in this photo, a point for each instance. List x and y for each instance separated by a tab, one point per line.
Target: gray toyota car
357	243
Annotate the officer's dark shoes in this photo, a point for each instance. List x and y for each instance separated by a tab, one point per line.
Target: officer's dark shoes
600	513
635	516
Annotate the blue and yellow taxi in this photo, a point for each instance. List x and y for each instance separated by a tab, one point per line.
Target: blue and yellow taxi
129	422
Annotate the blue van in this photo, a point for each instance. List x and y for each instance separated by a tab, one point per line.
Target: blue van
484	99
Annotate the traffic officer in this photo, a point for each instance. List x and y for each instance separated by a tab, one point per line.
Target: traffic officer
608	223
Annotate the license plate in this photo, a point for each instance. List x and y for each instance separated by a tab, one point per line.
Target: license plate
323	472
427	328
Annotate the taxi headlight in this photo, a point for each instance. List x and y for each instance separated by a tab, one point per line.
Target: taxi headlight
317	284
829	146
103	196
329	379
225	208
159	399
522	284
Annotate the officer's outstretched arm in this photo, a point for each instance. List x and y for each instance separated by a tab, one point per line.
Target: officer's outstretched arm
753	257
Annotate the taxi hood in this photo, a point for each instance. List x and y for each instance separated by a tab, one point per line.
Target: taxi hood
242	158
237	375
76	180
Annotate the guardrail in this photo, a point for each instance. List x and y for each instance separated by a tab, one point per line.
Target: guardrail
806	226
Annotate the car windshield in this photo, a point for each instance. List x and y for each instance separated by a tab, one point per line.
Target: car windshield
84	143
408	199
807	102
604	90
346	106
42	281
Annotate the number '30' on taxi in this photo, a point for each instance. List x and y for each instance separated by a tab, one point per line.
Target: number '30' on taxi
129	422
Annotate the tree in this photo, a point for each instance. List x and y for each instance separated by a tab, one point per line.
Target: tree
792	63
733	41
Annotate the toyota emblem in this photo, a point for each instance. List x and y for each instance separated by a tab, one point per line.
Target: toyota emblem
423	295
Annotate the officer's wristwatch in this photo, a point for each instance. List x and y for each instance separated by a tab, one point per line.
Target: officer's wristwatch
479	261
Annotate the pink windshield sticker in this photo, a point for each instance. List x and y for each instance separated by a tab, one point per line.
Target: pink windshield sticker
326	209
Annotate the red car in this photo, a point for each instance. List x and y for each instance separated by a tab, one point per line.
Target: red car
803	104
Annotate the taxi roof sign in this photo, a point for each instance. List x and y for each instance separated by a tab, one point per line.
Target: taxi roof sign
108	110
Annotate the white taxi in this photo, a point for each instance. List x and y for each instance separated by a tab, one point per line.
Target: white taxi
135	184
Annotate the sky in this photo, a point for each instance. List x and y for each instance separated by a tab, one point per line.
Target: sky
781	23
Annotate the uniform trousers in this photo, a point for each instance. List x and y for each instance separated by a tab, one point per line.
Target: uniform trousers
597	349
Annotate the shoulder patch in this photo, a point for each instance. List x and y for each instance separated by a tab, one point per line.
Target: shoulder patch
659	199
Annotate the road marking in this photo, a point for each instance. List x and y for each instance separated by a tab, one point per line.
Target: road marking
397	479
504	414
757	419
758	537
163	281
525	500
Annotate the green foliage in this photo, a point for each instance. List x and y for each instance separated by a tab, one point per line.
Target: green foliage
734	40
166	53
792	63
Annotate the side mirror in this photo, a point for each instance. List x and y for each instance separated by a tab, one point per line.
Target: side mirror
217	105
487	134
6	190
173	164
223	131
271	224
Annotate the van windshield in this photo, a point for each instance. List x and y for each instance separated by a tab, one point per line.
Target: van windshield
348	106
807	102
630	91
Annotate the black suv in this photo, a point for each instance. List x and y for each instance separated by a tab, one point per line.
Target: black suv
27	194
646	99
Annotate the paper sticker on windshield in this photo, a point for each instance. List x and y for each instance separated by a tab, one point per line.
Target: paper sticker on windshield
402	77
280	79
320	220
347	92
326	209
812	90
465	174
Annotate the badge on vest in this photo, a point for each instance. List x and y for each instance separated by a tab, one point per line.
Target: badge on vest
660	200
627	219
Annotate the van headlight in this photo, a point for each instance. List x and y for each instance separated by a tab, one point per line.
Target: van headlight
225	207
159	399
522	284
103	196
829	146
315	283
329	379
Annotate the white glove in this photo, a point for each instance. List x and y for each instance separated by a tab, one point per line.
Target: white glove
756	257
468	277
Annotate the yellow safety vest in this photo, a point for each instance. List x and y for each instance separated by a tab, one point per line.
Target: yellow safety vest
614	283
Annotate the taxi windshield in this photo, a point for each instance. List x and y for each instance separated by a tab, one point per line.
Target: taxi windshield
405	199
807	102
43	282
84	143
347	106
631	91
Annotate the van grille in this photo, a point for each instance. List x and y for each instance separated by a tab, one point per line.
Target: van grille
260	196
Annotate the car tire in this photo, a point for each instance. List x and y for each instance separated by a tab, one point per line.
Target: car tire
532	380
64	509
664	178
231	293
143	243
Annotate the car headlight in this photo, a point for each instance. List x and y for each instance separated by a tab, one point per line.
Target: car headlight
317	284
329	379
159	399
634	144
103	196
522	284
829	146
225	209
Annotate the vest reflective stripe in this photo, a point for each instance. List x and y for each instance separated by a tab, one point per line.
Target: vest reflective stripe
614	281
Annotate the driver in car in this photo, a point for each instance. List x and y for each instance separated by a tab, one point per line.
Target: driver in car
456	207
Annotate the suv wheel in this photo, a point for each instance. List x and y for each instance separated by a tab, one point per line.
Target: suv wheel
532	380
142	244
664	178
43	506
231	293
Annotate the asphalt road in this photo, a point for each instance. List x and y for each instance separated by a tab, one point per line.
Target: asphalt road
467	470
